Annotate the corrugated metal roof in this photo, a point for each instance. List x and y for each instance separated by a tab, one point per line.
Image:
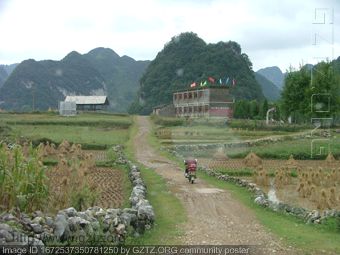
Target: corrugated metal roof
86	99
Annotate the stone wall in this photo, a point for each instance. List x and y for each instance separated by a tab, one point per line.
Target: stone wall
93	226
239	144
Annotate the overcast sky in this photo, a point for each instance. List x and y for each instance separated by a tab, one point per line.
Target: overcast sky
271	32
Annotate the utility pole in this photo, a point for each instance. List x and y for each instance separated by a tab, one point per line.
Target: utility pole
267	117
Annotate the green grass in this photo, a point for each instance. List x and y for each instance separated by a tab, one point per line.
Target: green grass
208	134
261	125
84	119
74	134
312	239
247	172
239	172
169	212
92	130
127	186
300	149
244	124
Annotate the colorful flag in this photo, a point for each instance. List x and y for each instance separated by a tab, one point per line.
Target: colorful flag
205	83
201	84
220	81
226	81
211	79
234	82
193	85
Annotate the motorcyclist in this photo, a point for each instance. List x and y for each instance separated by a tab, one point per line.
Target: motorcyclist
188	163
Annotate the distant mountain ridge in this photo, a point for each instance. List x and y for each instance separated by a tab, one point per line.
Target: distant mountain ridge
186	58
5	71
3	76
9	68
42	84
273	74
269	89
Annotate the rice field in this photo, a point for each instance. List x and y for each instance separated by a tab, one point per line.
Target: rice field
77	134
84	119
209	135
270	164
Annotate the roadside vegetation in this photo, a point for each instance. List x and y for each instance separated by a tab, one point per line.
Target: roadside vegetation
22	180
169	212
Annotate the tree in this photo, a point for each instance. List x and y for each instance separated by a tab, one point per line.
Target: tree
263	109
247	60
294	94
242	109
305	96
324	92
253	109
277	115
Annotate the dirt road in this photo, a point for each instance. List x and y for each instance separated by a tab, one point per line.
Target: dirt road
214	217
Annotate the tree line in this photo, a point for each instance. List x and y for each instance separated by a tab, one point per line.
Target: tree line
309	92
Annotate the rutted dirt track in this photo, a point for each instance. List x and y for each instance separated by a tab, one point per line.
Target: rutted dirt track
214	217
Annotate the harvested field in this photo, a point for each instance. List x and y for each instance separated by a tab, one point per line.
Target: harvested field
289	194
99	155
270	164
110	185
77	181
312	188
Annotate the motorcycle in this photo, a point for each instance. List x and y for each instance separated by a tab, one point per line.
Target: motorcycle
190	170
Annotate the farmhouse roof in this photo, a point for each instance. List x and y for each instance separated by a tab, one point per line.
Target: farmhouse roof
86	99
202	88
160	106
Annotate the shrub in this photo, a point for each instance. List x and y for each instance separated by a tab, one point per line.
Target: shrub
111	155
83	198
43	140
167	121
261	125
22	179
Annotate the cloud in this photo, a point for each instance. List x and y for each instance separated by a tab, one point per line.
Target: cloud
43	29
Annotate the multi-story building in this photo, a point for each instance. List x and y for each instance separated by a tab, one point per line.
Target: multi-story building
208	102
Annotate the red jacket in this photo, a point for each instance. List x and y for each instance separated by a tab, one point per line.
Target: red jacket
190	164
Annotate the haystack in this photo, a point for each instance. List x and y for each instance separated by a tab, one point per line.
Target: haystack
330	159
64	147
252	160
292	163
